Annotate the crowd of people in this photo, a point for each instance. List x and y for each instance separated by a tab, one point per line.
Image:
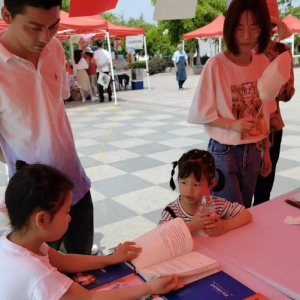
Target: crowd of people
48	199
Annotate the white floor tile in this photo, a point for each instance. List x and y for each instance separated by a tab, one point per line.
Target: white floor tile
291	154
158	117
115	156
104	172
182	142
75	125
85	143
121	118
291	173
94	133
106	125
291	140
184	123
122	231
167	156
156	175
96	196
147	200
150	124
83	119
128	143
187	131
140	132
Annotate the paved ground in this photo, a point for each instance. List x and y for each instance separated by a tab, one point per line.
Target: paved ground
130	183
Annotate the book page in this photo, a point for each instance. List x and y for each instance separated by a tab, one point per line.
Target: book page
185	265
162	243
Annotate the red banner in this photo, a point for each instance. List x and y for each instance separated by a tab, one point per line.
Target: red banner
82	8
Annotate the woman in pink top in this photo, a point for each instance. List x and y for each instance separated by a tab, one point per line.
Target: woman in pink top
92	70
228	104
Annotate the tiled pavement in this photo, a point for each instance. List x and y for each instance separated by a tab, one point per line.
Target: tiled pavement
130	183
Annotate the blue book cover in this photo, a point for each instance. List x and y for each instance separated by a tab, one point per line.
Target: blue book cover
92	279
214	287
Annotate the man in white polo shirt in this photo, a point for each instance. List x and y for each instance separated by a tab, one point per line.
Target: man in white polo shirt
34	126
102	59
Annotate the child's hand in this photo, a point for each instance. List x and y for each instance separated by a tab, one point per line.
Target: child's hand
199	221
216	229
126	252
163	285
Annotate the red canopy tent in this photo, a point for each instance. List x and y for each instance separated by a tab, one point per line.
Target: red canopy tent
101	28
93	25
213	29
292	23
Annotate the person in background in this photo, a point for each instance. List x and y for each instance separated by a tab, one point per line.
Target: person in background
196	171
38	200
80	68
264	185
227	101
180	60
34	125
92	70
102	59
68	67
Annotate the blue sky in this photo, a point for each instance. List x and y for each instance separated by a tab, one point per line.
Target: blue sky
134	8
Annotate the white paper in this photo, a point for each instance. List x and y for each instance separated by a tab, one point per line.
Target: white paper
175	9
188	264
163	243
292	220
274	77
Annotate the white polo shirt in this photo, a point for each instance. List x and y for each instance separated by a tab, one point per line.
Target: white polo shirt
34	126
101	56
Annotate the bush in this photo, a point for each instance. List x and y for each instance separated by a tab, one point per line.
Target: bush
157	65
139	65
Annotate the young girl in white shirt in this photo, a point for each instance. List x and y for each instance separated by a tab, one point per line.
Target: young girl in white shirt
38	201
196	172
228	103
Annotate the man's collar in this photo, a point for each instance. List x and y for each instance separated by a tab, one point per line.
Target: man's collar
5	54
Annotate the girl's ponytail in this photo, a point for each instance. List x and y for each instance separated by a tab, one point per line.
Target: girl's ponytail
172	183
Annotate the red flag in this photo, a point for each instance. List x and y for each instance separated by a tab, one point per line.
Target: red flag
82	8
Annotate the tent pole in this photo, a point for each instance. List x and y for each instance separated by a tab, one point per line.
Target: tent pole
183	44
199	55
293	46
112	68
220	43
147	66
72	51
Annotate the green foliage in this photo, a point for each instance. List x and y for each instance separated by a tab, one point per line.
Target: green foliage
139	65
157	41
157	65
66	5
206	12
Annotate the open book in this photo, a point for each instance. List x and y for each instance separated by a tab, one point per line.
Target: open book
167	250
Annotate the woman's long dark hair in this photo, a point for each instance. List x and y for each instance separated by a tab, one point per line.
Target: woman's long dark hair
77	56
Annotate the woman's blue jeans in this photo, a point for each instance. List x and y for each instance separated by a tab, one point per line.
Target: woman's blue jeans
240	165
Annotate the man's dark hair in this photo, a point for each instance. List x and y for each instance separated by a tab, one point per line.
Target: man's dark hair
17	7
260	12
98	44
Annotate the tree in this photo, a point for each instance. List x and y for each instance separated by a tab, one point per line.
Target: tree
65	5
206	12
